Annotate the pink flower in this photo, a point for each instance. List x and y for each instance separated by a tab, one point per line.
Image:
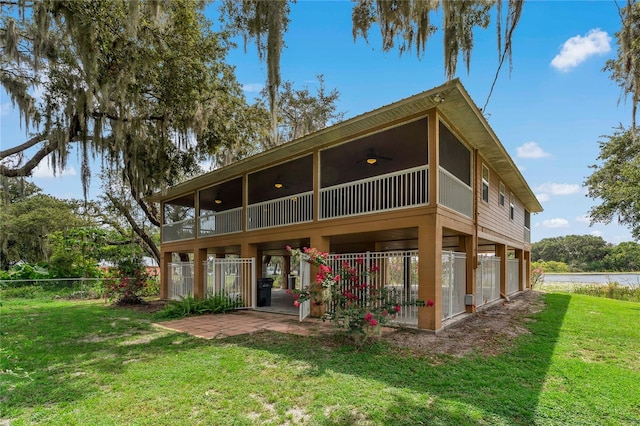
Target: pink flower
360	260
289	291
373	322
368	317
429	303
396	308
375	267
296	303
296	296
288	247
336	278
385	313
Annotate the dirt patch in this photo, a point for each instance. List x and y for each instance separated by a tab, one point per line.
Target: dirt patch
487	332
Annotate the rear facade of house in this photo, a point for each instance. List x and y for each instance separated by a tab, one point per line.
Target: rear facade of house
422	187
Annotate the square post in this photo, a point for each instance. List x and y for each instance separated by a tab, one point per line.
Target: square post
430	273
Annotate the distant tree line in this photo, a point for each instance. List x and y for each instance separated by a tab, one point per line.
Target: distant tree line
585	253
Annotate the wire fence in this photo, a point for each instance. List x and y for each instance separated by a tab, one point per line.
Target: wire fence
65	288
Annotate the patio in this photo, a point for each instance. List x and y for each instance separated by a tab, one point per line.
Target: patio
235	323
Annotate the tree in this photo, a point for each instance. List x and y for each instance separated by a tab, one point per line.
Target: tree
27	223
580	252
260	20
131	81
625	68
623	257
615	182
405	24
300	112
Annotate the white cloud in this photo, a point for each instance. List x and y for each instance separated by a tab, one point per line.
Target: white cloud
578	49
45	171
253	87
542	197
585	218
555	223
559	188
531	150
596	233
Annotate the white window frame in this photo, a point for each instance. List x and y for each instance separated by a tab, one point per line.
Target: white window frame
502	197
485	183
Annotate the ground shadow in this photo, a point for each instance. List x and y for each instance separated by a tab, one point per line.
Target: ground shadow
505	388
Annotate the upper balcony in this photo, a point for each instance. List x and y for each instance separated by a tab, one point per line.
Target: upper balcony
381	172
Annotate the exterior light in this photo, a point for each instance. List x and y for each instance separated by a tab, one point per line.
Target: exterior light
372	160
217	201
278	185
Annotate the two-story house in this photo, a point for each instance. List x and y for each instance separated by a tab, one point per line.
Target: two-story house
422	185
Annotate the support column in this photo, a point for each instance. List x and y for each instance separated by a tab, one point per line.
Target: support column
468	245
165	259
527	269
320	243
501	252
199	257
430	273
250	285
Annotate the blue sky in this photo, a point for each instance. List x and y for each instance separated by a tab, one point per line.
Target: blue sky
549	113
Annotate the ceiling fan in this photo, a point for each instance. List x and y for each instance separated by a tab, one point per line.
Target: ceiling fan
372	157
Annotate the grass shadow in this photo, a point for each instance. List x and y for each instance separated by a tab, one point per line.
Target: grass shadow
502	389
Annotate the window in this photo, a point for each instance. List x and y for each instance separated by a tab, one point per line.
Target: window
501	199
512	207
527	219
485	183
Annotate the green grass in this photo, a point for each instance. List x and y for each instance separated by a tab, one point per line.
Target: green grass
83	362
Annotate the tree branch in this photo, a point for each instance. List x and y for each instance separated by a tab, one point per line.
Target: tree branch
28	144
29	165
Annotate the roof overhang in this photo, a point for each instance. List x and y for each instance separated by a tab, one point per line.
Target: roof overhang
451	100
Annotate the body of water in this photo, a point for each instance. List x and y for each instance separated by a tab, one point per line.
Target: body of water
599	278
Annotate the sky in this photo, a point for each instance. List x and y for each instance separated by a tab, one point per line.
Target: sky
549	112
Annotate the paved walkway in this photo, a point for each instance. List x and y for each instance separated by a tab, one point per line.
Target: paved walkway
219	326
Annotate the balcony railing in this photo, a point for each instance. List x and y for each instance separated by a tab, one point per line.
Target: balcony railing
220	223
455	194
181	230
397	190
280	212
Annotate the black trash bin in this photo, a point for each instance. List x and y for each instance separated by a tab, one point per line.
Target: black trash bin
264	291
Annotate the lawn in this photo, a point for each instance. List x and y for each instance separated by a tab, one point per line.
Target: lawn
82	362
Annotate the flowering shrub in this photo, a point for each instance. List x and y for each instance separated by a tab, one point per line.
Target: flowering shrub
127	283
354	301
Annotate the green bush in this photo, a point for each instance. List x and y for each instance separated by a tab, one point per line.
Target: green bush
22	292
551	266
190	305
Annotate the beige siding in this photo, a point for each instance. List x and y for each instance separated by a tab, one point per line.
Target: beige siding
493	217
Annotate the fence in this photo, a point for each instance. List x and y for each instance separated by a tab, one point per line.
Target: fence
232	277
387	192
180	280
454	283
220	223
455	194
513	276
283	211
487	280
67	288
397	271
